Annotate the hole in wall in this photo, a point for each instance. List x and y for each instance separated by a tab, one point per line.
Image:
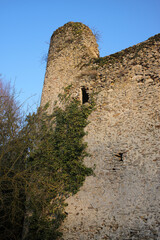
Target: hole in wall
85	95
120	156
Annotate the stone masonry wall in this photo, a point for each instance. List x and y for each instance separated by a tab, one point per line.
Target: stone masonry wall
71	46
121	201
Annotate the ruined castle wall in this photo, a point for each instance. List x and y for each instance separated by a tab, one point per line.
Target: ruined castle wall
121	201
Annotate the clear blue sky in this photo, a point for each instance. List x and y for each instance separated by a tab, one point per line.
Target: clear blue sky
27	25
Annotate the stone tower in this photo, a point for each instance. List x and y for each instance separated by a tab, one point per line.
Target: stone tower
121	202
70	47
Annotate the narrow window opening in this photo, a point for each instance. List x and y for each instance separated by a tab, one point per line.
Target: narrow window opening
85	95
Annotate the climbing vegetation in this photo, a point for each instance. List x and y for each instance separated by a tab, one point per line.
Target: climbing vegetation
41	165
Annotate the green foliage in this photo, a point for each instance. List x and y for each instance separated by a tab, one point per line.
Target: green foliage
57	164
77	28
41	164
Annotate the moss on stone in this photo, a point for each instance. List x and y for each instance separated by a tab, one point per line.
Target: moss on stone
77	28
133	51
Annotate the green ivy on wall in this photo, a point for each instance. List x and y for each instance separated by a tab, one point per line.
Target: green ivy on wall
56	165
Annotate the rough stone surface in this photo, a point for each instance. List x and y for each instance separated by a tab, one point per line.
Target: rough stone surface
121	202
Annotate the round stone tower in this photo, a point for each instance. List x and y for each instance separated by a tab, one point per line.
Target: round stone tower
71	46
